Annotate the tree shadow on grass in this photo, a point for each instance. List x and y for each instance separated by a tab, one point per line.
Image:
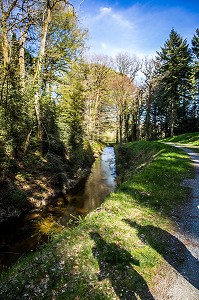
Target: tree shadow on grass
172	249
115	264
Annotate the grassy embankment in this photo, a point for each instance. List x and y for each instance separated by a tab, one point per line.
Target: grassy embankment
189	140
118	249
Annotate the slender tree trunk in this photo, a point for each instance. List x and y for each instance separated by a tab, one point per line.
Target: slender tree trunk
22	58
5	44
95	116
37	77
148	108
117	138
120	128
172	119
134	128
4	30
138	129
155	133
126	127
27	141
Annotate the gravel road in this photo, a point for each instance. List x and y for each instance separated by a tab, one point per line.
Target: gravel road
182	282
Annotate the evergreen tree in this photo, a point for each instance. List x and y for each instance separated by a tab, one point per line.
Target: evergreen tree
195	44
195	82
175	70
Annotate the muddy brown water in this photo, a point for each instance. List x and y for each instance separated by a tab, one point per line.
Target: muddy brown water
26	234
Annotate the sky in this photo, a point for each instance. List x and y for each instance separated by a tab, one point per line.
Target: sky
136	27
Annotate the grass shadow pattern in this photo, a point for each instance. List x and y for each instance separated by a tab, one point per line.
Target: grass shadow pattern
153	185
117	265
171	249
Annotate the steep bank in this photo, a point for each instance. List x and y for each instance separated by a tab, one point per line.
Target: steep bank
32	181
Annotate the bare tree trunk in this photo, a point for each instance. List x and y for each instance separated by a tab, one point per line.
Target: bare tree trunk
27	141
147	118
5	47
22	41
5	42
37	77
4	29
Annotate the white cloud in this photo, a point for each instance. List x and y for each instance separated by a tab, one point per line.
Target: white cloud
105	10
107	15
139	30
122	21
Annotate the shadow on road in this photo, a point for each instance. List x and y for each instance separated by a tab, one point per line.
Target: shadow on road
172	249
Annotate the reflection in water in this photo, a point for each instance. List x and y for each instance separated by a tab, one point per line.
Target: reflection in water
100	183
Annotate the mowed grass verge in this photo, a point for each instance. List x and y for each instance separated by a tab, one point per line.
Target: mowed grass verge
187	138
117	250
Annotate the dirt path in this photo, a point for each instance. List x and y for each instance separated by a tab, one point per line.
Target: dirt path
182	283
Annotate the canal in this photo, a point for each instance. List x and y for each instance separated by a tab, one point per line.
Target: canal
27	234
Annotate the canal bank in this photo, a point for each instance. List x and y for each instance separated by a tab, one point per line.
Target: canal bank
23	235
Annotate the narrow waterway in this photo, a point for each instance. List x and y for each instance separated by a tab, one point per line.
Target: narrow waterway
25	235
98	185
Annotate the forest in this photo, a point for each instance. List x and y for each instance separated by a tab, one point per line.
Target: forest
58	105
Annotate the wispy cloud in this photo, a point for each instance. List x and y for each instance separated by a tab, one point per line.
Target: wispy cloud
139	29
107	15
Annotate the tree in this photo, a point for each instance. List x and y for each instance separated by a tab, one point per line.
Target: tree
195	81
96	95
33	73
195	44
122	92
48	8
13	112
148	69
175	58
64	45
127	65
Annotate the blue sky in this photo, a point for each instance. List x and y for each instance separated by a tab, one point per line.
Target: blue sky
137	27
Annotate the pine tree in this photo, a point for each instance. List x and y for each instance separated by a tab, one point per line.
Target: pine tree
175	58
195	81
195	44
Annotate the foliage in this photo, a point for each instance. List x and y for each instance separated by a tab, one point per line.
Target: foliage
195	44
38	48
56	106
175	69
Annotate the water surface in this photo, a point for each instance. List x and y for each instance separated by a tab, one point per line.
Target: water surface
99	184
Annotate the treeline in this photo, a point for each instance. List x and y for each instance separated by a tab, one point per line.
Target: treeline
40	40
166	99
53	98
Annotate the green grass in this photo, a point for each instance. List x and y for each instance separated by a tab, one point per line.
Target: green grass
117	250
186	138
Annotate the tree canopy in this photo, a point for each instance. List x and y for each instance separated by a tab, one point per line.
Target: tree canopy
50	93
